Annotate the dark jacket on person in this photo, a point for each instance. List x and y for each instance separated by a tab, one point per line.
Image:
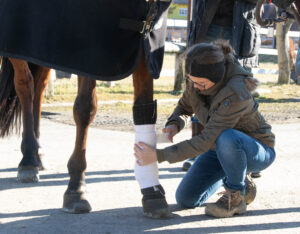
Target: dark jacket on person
245	30
227	105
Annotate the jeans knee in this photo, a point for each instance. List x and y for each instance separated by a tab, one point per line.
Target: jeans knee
183	199
227	139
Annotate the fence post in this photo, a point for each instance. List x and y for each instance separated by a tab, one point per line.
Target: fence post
177	49
178	72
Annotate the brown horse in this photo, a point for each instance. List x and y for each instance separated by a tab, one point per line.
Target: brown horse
21	88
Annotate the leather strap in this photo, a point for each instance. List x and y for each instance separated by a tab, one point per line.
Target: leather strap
142	26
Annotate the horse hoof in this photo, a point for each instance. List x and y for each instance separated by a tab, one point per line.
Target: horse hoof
75	203
43	163
156	208
28	174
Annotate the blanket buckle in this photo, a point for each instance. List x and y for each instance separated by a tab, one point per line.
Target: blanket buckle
147	26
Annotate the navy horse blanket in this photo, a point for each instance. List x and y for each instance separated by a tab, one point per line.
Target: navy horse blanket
84	37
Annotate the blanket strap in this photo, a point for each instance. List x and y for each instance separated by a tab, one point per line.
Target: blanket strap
145	26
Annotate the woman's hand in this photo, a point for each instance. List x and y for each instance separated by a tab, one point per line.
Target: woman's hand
171	130
144	154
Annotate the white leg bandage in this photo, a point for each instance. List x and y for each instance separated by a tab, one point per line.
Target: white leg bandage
146	176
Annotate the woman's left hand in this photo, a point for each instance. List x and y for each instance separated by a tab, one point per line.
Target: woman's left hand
144	154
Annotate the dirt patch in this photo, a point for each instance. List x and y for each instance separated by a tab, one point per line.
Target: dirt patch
107	121
123	121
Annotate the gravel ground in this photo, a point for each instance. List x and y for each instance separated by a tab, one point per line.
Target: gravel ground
107	121
122	121
115	197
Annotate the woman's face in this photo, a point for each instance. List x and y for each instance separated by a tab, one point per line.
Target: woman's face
200	83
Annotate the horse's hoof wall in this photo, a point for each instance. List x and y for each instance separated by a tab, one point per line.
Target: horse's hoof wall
75	203
156	209
43	163
78	208
28	175
159	214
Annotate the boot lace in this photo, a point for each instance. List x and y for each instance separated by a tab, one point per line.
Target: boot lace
226	198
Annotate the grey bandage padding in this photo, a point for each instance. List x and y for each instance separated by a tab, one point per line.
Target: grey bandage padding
145	113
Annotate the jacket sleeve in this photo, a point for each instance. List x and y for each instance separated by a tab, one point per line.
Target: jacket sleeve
226	116
181	113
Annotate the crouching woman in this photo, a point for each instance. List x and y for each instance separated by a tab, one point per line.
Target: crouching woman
235	140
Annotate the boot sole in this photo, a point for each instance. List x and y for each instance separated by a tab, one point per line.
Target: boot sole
226	214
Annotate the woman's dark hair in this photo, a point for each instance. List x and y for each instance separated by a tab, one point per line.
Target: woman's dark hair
207	53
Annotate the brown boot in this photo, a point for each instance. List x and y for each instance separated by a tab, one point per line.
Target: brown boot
255	175
231	203
251	190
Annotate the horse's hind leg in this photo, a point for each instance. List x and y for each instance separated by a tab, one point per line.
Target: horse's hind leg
144	115
41	77
84	111
24	86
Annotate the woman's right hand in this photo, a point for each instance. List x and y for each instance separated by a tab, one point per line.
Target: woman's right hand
171	130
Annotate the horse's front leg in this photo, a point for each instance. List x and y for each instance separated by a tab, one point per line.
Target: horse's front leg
24	85
144	116
41	77
84	111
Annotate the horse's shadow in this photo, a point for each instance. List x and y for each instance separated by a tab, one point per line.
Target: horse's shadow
62	179
130	220
125	220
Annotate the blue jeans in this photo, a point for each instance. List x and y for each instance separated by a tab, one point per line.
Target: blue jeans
215	32
236	154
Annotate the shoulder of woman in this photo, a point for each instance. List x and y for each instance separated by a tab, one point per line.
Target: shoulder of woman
240	88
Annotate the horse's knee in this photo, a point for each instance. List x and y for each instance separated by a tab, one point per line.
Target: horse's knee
23	78
41	78
84	109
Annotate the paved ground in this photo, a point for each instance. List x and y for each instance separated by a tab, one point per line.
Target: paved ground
114	193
